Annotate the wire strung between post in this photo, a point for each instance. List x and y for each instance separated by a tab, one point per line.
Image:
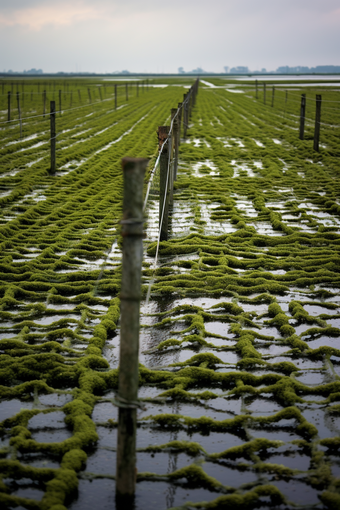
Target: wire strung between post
168	139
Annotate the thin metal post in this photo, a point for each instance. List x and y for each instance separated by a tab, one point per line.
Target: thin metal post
317	123
302	116
132	233
89	93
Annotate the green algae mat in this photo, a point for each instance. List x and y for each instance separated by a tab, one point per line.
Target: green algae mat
240	340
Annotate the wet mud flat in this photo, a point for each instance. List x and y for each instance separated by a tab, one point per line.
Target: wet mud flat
239	344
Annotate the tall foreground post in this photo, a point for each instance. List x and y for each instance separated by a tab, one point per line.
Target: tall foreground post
302	116
52	121
317	123
132	232
164	183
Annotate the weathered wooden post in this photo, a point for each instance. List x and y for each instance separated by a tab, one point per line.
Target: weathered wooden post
302	116
115	96
164	183
52	123
317	122
174	118
185	115
273	95
130	295
9	106
60	101
180	110
172	155
257	92
19	113
89	93
264	93
176	142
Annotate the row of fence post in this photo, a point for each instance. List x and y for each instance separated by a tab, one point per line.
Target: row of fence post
169	141
302	113
132	233
44	97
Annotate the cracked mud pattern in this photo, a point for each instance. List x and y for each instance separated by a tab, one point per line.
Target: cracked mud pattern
240	341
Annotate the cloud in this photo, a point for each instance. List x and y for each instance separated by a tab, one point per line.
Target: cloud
38	16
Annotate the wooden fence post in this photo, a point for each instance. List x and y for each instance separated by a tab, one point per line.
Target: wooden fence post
176	142
19	112
130	295
60	101
264	93
9	106
126	92
172	153
164	192
273	95
257	96
317	123
180	110
185	115
52	123
115	96
100	93
302	116
89	93
79	96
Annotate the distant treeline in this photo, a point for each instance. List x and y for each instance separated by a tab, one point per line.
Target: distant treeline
286	70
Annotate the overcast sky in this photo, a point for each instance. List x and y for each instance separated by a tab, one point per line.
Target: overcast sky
155	36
